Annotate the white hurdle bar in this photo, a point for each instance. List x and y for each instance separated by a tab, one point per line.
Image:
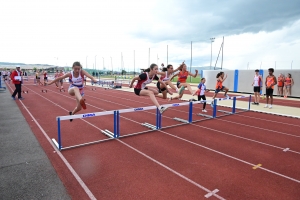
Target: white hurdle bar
116	114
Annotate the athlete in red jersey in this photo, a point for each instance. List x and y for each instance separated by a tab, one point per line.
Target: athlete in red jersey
145	78
288	84
221	77
280	84
61	81
166	75
181	83
270	82
45	77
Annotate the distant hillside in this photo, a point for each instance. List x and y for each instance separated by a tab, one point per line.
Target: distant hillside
8	63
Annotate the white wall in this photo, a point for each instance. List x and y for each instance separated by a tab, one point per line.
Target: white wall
246	78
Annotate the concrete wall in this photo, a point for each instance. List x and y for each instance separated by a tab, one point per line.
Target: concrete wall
241	80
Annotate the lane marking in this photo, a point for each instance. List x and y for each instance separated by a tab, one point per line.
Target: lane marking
221	153
145	155
286	149
211	193
257	166
79	180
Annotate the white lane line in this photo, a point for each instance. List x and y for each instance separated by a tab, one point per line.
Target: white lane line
173	171
206	127
298	136
268	120
79	180
286	149
287	177
152	159
232	157
211	193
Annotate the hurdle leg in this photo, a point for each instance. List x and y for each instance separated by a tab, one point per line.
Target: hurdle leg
191	112
249	102
233	105
215	109
59	135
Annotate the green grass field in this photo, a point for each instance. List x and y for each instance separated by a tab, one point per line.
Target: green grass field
189	79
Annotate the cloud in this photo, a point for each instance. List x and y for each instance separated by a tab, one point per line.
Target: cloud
199	20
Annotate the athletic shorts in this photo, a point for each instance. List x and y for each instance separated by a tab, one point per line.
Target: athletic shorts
38	77
269	92
45	78
159	89
218	90
288	86
61	80
137	91
256	89
178	83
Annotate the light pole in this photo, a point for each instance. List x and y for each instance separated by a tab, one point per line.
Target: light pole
211	41
86	62
112	68
95	62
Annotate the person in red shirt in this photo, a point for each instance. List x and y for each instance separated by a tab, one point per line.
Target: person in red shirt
288	82
270	82
145	78
45	77
280	83
181	82
16	79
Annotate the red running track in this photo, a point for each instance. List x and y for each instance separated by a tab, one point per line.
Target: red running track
184	162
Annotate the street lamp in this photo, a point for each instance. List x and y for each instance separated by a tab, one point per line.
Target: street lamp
112	68
95	62
212	40
86	62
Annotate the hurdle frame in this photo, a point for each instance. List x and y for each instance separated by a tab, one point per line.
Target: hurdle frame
1	84
116	115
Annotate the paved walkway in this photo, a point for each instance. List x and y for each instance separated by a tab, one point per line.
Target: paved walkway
25	170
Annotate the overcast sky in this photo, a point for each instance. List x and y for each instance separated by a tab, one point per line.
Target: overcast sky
60	32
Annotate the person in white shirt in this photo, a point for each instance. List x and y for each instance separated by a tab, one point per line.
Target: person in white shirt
257	87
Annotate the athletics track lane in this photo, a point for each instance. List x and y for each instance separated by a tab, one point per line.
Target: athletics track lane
128	138
168	112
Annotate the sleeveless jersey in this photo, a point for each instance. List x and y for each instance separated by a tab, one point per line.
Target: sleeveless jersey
182	76
76	82
202	89
270	81
280	81
165	78
141	84
219	85
257	81
288	81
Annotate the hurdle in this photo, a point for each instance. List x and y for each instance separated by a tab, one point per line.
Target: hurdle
158	126
1	84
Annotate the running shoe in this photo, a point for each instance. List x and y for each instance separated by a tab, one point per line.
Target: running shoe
71	114
82	103
226	95
270	106
212	104
21	98
266	106
14	98
162	109
204	110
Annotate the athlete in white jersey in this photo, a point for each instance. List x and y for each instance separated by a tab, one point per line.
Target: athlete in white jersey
257	86
76	85
166	75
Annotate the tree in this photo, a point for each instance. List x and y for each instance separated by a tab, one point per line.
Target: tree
123	72
34	69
